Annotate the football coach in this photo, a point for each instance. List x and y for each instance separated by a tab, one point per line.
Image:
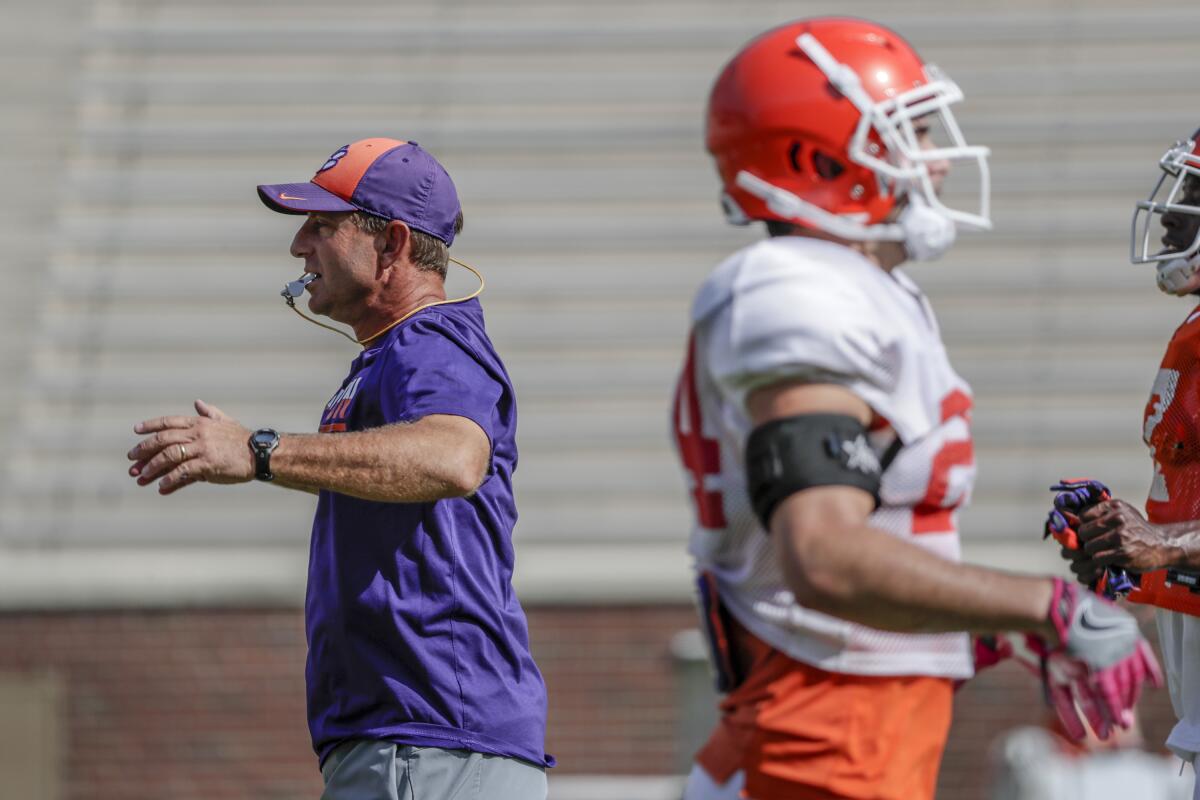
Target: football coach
420	679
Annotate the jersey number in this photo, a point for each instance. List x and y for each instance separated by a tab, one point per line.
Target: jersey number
935	512
701	455
1161	397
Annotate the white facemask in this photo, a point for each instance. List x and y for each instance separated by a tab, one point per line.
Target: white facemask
1177	166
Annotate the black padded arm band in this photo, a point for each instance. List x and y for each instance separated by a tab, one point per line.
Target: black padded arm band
786	456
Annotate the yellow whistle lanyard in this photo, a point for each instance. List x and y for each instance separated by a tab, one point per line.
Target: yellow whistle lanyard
291	301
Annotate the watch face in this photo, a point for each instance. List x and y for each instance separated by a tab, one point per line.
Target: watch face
264	438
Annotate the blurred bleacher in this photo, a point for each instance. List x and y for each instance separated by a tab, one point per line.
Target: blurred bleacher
143	272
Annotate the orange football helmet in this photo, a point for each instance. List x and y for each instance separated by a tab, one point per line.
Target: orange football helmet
819	123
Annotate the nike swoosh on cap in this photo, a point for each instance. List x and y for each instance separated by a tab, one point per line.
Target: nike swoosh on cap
286	196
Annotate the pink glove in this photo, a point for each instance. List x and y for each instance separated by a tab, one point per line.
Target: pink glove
1065	683
990	651
1100	663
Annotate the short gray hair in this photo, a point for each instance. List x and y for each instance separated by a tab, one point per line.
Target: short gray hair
428	252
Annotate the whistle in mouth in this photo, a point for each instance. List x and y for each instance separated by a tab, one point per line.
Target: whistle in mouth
293	289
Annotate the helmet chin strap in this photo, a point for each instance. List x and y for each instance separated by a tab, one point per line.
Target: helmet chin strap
928	234
1179	276
790	206
925	232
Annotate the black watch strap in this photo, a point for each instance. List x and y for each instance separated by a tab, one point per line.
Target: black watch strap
262	443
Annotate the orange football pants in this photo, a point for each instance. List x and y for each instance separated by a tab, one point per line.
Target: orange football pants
800	733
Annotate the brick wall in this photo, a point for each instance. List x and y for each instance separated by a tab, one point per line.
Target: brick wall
612	686
204	704
176	705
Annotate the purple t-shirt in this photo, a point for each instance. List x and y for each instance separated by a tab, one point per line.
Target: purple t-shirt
414	632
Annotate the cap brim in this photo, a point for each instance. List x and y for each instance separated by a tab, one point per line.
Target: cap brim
301	198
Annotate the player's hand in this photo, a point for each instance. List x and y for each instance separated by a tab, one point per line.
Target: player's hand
1115	534
1075	497
1059	675
1085	570
1062	525
990	651
1099	663
1097	666
181	450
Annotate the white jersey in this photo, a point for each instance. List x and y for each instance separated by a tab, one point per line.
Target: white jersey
800	308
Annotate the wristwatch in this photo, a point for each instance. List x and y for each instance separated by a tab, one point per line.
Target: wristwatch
262	443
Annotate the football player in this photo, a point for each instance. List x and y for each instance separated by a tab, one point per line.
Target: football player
1164	545
826	440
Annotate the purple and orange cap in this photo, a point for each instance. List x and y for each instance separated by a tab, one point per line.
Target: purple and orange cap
389	178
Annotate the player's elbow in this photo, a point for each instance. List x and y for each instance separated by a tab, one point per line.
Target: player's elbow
817	560
819	551
818	587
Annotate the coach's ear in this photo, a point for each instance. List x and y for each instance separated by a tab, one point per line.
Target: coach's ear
393	245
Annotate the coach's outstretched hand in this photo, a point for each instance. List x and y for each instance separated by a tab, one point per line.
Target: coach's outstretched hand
180	450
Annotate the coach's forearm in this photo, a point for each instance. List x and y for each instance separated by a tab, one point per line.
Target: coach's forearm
434	458
868	576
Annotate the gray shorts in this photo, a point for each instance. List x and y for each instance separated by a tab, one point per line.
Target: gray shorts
368	769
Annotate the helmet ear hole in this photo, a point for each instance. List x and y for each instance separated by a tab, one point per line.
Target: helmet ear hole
826	166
